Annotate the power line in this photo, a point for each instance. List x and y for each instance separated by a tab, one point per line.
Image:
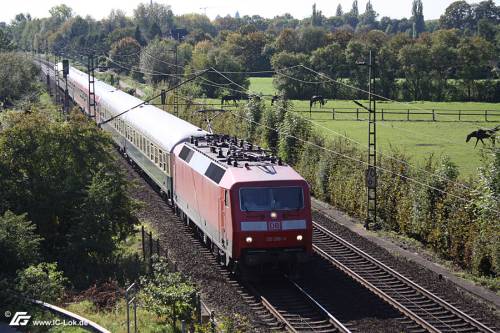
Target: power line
387	155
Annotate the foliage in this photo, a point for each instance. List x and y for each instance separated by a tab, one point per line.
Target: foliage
19	243
168	294
17	77
45	162
125	55
41	282
158	61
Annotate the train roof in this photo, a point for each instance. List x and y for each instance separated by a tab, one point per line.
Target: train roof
227	161
160	126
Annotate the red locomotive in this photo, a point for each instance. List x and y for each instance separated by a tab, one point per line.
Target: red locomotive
250	207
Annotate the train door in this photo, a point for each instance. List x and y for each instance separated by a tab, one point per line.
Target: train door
222	217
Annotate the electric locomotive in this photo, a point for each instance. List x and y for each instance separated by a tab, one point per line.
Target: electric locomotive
249	207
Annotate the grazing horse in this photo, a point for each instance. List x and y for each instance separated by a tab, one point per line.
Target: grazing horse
482	133
226	98
315	99
274	99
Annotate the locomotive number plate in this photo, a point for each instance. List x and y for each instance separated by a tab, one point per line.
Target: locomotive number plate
274	225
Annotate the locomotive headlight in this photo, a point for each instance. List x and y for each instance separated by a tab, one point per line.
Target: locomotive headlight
299	237
249	239
274	215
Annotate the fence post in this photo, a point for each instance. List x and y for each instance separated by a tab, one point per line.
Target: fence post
135	315
357	113
485	115
150	252
382	114
433	115
143	245
128	311
333	114
459	115
198	308
183	326
212	322
408	115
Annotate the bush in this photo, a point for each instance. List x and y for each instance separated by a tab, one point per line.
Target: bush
41	282
19	243
168	294
17	77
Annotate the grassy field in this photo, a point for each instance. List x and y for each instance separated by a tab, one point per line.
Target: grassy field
417	139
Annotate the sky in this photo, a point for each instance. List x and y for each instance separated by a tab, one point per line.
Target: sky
298	8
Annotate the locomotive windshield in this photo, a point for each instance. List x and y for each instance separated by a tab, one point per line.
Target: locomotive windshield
254	199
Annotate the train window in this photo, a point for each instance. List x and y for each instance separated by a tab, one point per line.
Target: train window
167	163
276	198
156	155
151	151
160	155
226	198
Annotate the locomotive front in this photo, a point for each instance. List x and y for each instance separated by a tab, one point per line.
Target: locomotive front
272	222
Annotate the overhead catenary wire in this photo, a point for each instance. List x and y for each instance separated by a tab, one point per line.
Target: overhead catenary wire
245	90
383	154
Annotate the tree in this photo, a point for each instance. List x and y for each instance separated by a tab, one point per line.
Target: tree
157	61
125	55
331	61
288	40
154	19
368	21
311	38
206	55
474	56
417	11
486	10
458	15
285	83
317	17
19	243
5	42
61	13
17	77
69	163
355	9
249	49
339	12
415	65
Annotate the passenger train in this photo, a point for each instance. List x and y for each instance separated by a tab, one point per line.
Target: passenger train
249	207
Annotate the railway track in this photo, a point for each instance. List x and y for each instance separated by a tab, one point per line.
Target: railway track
293	308
425	311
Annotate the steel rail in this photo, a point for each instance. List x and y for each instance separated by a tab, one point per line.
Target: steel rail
386	297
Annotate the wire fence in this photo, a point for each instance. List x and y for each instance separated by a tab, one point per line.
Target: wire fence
151	251
384	114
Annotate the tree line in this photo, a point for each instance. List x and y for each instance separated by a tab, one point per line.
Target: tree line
454	58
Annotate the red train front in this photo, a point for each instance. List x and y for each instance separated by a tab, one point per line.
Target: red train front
250	207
